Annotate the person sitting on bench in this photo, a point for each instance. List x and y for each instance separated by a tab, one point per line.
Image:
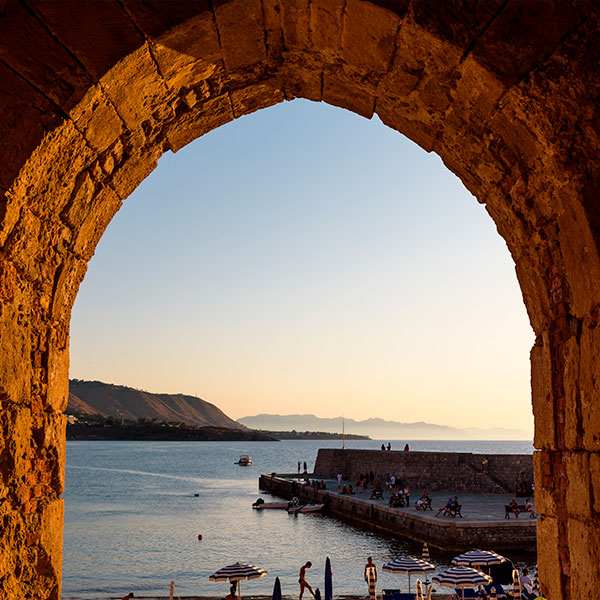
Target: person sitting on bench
446	509
424	501
514	507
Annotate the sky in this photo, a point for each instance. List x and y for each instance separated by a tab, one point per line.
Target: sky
303	259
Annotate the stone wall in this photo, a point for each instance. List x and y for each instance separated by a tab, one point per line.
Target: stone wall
434	471
93	93
448	535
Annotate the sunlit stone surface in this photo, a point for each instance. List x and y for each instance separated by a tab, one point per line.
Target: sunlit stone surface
93	93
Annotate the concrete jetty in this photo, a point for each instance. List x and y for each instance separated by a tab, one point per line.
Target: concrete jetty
484	524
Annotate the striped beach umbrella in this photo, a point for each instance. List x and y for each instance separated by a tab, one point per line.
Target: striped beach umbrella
478	558
461	577
237	572
536	583
516	585
425	556
409	565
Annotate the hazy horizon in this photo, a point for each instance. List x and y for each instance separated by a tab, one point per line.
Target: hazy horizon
303	256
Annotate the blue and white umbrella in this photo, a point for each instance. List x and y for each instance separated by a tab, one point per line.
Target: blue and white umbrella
237	572
461	577
516	585
425	555
478	558
536	583
409	565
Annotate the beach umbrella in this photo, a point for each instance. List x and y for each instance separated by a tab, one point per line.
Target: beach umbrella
419	590
237	572
317	594
478	558
536	583
277	589
409	565
461	577
516	586
425	556
328	580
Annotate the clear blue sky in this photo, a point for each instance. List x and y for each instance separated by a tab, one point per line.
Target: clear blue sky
306	260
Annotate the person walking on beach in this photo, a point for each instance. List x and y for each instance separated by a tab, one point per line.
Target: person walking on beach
302	580
371	578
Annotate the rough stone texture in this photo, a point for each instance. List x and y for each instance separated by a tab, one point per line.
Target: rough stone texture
93	93
446	534
434	471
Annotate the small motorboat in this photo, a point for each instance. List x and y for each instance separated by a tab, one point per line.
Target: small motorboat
304	508
260	504
244	461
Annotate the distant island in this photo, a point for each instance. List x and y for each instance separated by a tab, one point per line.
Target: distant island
380	428
312	435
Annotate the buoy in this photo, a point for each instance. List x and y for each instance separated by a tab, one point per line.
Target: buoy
199	536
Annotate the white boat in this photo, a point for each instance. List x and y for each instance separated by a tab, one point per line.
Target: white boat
304	508
244	461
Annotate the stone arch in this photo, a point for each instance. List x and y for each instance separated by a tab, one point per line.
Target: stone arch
505	92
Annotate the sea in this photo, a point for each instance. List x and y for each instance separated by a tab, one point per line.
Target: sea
134	511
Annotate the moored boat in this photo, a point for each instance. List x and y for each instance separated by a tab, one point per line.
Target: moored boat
304	508
244	461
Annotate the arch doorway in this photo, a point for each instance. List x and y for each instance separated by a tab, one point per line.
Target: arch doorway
504	92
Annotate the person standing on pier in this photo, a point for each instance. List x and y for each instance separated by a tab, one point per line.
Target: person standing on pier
371	578
302	580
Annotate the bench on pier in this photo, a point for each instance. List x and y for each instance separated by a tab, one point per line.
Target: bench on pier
424	505
455	510
377	495
508	510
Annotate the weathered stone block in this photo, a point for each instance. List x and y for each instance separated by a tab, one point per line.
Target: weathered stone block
541	386
548	559
254	98
145	91
340	92
372	46
97	120
201	119
241	31
188	53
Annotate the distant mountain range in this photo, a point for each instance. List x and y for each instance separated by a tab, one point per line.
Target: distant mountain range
120	402
381	429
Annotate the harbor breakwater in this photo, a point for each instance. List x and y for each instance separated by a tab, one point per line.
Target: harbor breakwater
457	472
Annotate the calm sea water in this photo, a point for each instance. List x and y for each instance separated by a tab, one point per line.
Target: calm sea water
132	519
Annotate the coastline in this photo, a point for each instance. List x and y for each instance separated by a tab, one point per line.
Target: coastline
434	596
